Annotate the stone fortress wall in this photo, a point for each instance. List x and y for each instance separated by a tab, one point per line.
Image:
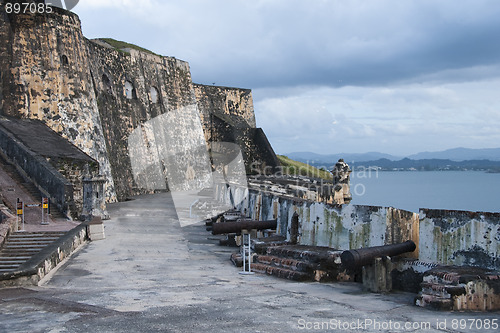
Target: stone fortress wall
95	95
46	76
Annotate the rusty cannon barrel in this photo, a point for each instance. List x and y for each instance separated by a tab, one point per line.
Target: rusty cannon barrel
365	256
237	226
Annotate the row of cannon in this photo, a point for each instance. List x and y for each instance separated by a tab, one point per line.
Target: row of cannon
351	259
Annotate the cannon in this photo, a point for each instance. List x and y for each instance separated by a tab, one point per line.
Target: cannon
238	226
352	259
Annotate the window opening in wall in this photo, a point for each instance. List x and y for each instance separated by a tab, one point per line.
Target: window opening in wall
130	90
64	60
154	95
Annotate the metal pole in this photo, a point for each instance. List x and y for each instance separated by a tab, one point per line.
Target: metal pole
17	214
249	255
244	252
23	216
45	205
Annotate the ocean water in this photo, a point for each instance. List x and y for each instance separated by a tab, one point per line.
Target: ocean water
411	190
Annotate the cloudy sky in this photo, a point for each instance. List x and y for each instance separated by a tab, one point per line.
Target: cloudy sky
332	76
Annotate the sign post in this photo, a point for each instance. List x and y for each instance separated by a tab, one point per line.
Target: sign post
45	208
20	213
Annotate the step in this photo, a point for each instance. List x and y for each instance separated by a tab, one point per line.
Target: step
11	260
21	234
21	251
25	246
281	272
37	233
9	266
14	264
288	263
33	238
31	241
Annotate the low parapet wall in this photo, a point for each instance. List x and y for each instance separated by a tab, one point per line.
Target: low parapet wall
321	224
442	236
8	223
453	237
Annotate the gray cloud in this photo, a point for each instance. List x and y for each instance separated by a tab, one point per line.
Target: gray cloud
399	120
331	76
335	43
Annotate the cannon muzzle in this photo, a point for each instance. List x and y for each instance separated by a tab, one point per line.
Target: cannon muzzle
357	258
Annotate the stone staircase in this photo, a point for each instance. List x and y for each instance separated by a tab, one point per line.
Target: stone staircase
28	186
21	246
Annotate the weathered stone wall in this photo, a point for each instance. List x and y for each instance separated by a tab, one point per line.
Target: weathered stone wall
5	51
46	76
227	115
73	171
452	237
257	152
235	105
124	114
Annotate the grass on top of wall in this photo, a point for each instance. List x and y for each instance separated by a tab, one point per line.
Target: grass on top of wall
119	45
292	167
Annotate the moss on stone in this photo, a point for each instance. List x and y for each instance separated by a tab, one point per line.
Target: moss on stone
120	45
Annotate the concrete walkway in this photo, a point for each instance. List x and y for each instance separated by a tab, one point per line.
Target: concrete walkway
151	275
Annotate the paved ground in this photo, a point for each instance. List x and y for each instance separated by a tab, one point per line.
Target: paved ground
151	275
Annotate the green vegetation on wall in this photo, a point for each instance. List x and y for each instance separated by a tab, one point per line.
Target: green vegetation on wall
291	167
119	45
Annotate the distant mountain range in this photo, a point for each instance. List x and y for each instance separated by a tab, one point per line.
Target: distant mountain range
451	159
460	154
333	158
455	154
